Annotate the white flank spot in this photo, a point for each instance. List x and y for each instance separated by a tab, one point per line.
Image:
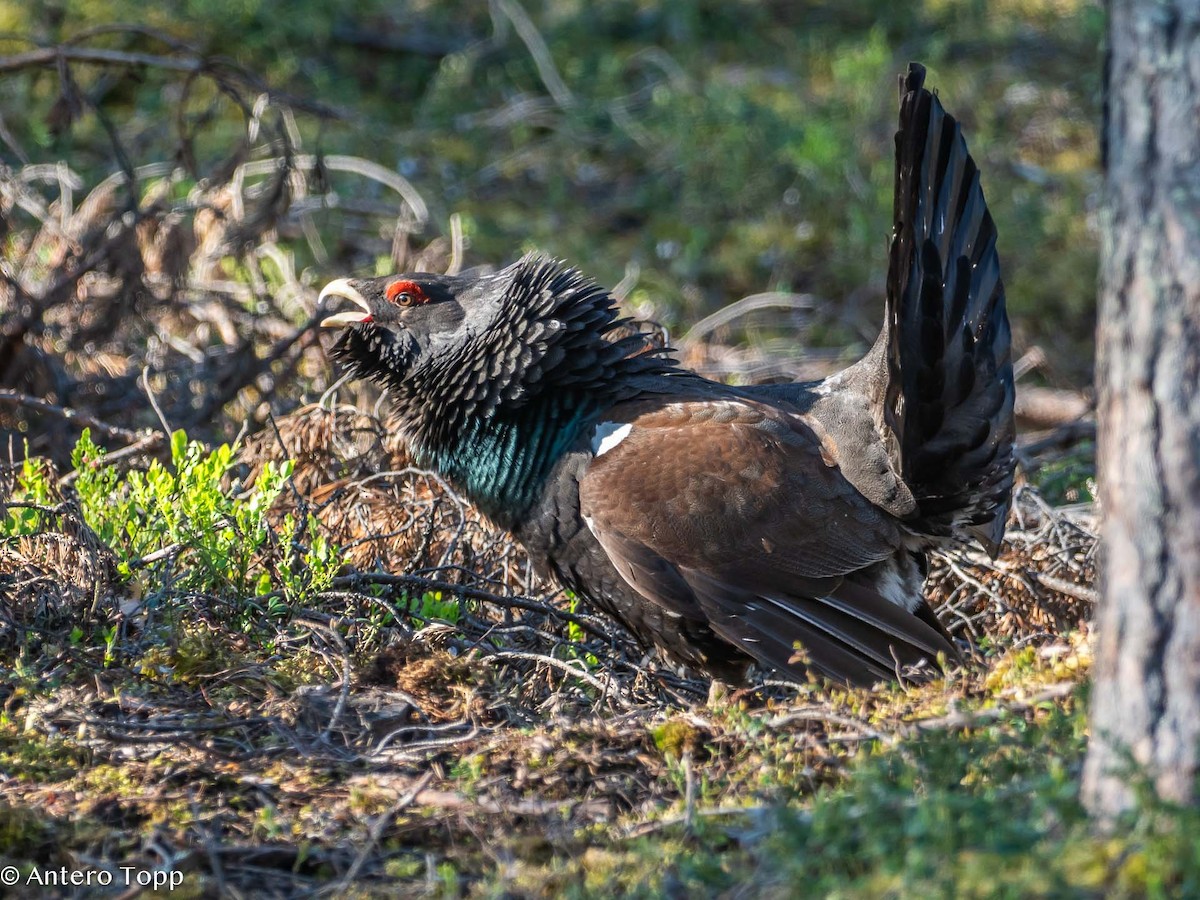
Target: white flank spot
891	587
827	386
607	435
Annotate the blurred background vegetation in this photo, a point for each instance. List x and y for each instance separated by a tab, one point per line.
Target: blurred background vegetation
695	151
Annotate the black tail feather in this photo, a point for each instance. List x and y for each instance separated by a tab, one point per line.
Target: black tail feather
949	397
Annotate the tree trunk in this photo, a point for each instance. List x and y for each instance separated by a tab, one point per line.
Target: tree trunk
1146	680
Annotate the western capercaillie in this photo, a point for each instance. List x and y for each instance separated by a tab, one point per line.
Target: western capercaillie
783	524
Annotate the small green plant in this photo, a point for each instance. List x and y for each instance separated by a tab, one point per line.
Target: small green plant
449	879
306	571
577	635
211	538
1071	478
469	771
184	507
432	607
110	635
33	488
267	823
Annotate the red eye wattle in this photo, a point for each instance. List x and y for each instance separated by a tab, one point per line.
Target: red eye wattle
406	293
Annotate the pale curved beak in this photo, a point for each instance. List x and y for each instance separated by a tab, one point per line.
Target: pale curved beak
343	289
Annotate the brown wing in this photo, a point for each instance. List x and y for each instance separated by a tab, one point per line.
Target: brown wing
734	510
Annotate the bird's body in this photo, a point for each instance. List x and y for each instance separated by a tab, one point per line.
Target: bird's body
783	524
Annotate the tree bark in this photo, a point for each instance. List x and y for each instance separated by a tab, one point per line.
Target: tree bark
1145	716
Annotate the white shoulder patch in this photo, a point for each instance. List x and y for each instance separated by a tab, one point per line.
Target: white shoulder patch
898	586
607	435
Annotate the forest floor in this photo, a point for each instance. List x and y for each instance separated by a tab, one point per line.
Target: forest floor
423	719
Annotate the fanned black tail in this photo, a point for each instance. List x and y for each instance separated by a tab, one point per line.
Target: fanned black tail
949	395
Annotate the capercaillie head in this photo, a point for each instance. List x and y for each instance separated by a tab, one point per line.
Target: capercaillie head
492	376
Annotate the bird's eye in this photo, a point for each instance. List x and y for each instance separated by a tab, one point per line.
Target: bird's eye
405	293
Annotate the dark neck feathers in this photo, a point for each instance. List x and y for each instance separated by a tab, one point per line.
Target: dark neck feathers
495	413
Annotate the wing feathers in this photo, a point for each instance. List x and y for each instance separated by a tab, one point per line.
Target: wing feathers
850	634
752	530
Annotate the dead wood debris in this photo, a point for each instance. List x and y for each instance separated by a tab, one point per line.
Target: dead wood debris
198	270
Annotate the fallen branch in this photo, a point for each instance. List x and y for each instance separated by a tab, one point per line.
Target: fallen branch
1043	407
83	420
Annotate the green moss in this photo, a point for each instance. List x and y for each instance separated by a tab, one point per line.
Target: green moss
194	651
32	757
675	737
112	781
22	832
